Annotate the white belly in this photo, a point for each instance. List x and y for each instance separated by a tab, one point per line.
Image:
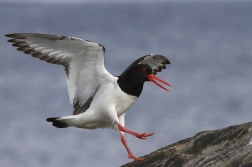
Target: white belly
108	104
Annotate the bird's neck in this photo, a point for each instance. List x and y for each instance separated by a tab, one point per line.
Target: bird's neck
130	85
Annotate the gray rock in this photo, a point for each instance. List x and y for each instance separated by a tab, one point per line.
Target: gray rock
227	147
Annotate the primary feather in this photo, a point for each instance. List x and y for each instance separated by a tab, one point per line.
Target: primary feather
83	61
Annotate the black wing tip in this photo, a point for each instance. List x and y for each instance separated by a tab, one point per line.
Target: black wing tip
165	59
14	35
37	35
161	59
8	35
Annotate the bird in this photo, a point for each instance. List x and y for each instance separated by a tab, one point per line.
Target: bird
99	99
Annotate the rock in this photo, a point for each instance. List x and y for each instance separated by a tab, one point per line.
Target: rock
227	147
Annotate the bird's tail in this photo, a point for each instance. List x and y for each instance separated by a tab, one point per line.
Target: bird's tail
62	122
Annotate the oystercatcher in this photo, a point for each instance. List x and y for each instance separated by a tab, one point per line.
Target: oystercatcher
99	99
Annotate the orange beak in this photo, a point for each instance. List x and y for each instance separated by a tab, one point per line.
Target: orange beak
153	78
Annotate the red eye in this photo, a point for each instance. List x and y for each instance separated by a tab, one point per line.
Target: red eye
144	69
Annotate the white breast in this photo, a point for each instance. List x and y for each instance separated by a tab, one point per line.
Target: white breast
110	95
123	101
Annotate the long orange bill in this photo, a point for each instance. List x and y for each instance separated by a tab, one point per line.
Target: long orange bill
153	77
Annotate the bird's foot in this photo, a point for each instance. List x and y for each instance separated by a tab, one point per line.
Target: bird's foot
130	154
144	135
135	158
138	135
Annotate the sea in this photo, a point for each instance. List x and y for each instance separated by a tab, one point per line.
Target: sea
209	45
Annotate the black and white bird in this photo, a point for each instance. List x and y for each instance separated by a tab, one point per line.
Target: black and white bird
99	99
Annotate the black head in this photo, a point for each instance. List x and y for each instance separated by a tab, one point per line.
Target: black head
132	80
139	72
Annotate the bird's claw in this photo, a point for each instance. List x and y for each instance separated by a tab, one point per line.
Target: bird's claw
144	135
135	158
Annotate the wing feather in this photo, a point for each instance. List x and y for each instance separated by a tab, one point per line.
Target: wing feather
83	61
155	61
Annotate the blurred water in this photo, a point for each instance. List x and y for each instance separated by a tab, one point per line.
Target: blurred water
208	44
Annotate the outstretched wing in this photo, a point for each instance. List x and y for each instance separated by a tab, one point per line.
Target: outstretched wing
155	61
83	61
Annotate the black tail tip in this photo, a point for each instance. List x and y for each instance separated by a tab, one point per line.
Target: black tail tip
52	119
57	123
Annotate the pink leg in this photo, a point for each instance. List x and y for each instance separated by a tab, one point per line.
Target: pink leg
130	154
138	135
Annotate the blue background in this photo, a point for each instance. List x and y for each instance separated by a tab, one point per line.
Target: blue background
209	46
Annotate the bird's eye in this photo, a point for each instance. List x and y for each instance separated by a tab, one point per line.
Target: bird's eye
144	69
